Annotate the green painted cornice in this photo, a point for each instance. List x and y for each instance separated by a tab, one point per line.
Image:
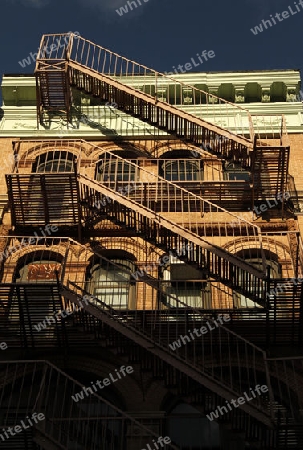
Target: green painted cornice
19	98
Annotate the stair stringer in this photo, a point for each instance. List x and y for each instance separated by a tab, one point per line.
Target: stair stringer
159	220
101	76
53	421
153	179
166	107
81	56
111	317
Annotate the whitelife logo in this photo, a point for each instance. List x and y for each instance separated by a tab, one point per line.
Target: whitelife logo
124	9
272	21
281	287
258	210
241	400
63	313
131	187
189	65
161	440
30	240
3	346
35	417
203	330
48	50
102	384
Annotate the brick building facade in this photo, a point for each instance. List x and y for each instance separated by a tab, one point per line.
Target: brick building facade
138	209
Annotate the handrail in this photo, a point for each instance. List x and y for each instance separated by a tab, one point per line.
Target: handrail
161	320
225	224
43	400
146	336
116	66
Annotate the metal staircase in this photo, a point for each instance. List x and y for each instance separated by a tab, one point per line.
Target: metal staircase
47	198
90	423
194	366
154	335
203	227
212	359
277	323
137	89
221	360
221	265
143	208
104	74
52	85
225	363
217	374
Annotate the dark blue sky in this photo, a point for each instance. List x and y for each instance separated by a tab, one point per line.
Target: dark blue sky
160	33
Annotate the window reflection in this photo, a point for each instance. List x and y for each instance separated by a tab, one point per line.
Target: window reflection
54	161
234	171
116	170
110	283
181	170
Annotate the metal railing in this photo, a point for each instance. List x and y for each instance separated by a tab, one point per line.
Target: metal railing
163	318
194	213
89	421
158	86
145	286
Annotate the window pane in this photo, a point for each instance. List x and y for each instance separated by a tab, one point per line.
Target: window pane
181	170
234	171
188	294
54	161
116	171
111	283
240	301
244	176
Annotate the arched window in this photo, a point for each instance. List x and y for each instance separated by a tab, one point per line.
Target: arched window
38	266
180	165
54	161
35	300
190	430
181	170
60	193
110	282
234	171
240	301
186	284
113	169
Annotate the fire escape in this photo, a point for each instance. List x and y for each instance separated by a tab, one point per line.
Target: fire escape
69	427
222	361
228	364
137	90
